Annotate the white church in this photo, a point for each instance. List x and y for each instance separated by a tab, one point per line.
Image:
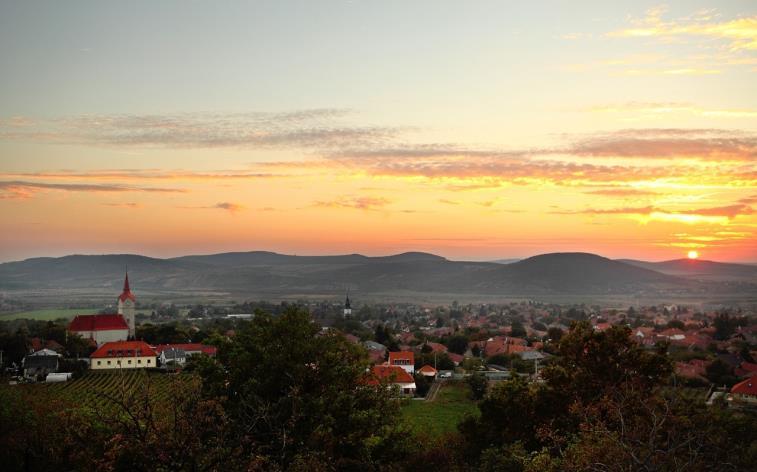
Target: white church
109	328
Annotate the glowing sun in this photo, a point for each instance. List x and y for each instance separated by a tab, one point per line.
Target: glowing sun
693	254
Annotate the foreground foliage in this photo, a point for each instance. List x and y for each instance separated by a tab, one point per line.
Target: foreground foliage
284	395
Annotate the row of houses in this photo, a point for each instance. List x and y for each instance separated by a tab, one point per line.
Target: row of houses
118	355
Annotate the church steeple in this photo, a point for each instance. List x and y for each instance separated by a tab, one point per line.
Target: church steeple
347	306
126	306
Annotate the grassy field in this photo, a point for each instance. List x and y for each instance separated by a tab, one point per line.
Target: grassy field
443	414
47	314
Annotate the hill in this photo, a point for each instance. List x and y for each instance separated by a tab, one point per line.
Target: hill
267	274
700	269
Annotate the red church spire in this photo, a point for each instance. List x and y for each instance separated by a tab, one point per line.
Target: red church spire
126	294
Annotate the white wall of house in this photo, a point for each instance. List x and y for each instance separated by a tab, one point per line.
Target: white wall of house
105	336
100	363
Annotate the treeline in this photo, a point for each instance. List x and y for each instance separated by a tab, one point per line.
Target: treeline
284	395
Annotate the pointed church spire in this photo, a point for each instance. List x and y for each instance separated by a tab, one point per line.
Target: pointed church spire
126	281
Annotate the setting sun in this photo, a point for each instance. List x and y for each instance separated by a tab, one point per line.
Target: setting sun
693	254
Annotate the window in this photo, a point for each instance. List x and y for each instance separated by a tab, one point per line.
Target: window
148	360
129	361
99	362
108	362
139	361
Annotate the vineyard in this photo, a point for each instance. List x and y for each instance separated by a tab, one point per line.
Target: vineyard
100	389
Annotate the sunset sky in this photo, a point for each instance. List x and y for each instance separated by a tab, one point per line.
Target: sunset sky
475	130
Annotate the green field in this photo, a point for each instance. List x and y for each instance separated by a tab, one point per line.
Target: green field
47	314
442	415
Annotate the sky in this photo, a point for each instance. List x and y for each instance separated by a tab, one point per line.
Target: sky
475	130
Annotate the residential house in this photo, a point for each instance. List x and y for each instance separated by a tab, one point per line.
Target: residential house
39	364
745	391
394	375
427	371
403	359
124	355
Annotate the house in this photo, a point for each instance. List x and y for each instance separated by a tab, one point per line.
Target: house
403	359
124	355
180	352
427	371
745	391
395	375
173	355
40	363
100	328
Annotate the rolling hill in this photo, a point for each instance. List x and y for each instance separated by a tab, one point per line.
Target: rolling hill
700	269
270	274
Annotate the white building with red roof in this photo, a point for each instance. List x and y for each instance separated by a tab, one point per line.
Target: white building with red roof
745	391
123	355
100	328
394	375
403	359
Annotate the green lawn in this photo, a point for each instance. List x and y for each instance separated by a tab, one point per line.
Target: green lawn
48	314
443	414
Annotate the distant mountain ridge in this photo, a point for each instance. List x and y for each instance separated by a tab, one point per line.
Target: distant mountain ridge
700	269
270	274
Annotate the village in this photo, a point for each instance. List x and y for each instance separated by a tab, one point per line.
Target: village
415	349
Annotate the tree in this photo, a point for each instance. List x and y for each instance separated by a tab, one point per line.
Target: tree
555	334
293	392
477	383
457	344
517	329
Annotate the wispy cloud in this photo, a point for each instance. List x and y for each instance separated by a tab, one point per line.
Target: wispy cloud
358	203
738	33
123	205
727	211
227	206
18	189
621	192
707	144
307	128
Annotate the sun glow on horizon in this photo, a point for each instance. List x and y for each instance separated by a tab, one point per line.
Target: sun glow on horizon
693	255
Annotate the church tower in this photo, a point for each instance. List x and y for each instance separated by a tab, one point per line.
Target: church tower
347	307
126	306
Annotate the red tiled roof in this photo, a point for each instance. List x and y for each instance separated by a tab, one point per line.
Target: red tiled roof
427	369
191	347
746	387
124	349
401	355
394	373
97	323
456	358
436	347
